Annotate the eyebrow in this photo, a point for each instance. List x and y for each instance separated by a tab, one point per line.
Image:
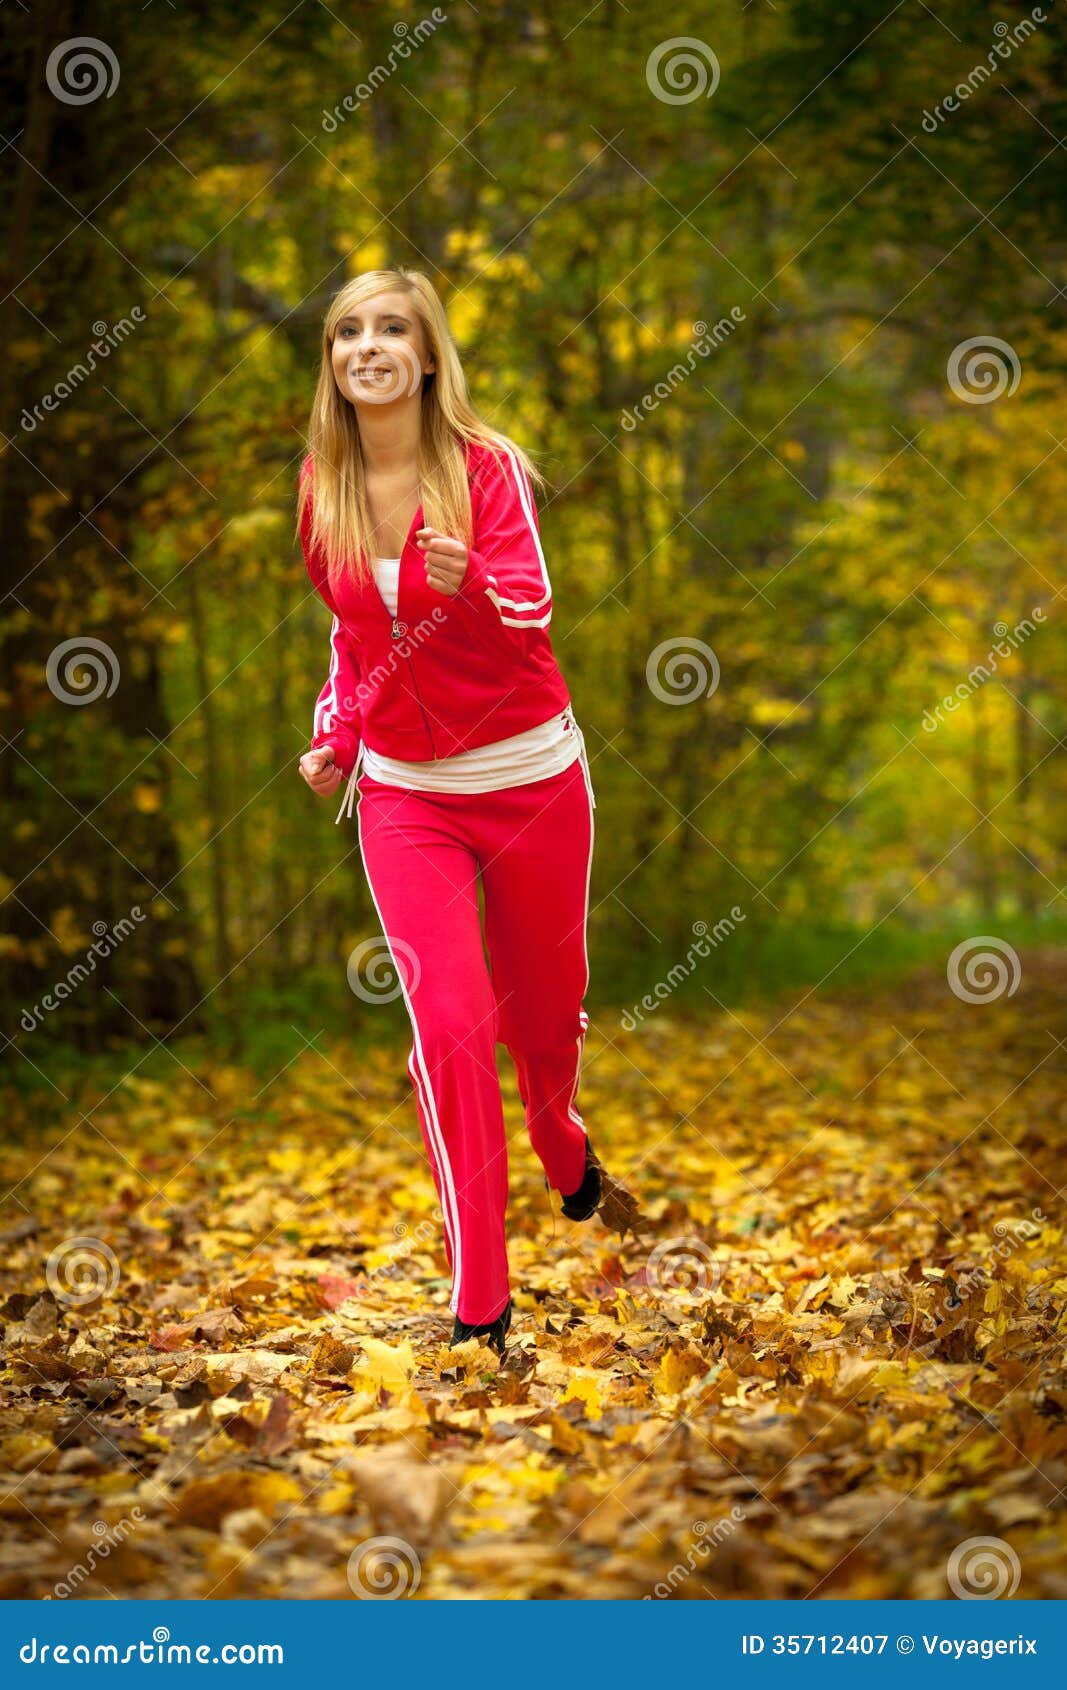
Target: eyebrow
383	317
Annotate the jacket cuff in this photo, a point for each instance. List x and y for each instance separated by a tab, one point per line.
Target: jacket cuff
476	579
345	748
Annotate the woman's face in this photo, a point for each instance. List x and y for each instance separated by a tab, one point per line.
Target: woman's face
380	352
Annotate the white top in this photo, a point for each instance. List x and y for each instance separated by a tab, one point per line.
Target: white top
538	752
387	575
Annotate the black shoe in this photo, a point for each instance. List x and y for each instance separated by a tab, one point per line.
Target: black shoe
586	1200
493	1331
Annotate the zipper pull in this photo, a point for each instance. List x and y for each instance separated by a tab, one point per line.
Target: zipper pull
399	629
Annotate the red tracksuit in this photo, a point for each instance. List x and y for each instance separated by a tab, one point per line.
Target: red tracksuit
451	672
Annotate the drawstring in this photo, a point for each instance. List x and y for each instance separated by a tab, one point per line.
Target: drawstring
585	762
350	790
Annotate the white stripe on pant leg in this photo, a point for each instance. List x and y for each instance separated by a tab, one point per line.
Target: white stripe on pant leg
442	1156
572	1110
583	1018
435	1134
416	1081
432	1121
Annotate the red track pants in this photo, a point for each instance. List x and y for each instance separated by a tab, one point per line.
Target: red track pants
422	852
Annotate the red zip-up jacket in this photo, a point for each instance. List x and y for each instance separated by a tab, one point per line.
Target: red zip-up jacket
451	671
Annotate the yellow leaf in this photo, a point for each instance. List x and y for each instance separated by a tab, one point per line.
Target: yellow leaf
205	1502
583	1388
676	1369
384	1365
147	798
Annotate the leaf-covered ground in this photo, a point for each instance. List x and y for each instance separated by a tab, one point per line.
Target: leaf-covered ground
835	1359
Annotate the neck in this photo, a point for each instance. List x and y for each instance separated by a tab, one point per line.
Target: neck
389	435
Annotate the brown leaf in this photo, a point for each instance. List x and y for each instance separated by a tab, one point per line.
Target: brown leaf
214	1326
619	1209
331	1356
279	1431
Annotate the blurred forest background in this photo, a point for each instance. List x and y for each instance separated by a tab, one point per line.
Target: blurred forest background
834	490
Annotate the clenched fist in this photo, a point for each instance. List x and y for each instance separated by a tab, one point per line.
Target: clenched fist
446	560
320	771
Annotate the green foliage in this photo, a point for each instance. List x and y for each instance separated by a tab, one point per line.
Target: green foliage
807	495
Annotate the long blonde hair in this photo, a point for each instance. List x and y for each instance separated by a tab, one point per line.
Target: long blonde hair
341	517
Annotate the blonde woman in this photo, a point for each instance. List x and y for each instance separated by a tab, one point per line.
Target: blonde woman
445	711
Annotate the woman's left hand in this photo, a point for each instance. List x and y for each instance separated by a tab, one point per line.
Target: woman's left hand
446	559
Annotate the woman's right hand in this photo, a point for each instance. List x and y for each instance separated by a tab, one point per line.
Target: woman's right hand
319	770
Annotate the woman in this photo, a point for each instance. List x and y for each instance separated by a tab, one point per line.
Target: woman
421	535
